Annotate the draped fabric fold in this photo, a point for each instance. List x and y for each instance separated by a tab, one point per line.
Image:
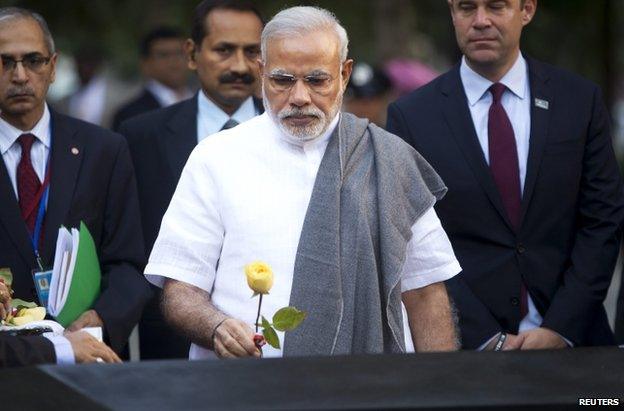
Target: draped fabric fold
370	189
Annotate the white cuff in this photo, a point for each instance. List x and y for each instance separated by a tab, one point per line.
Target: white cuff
62	348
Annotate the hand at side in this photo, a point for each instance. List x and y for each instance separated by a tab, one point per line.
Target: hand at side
88	349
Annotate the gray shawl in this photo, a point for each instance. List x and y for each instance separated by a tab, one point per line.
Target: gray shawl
370	189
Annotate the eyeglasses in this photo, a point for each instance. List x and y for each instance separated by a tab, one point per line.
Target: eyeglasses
31	62
318	83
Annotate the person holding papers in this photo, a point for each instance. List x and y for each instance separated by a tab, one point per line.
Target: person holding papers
79	347
56	171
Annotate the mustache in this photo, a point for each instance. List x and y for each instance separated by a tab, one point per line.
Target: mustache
298	112
20	91
231	77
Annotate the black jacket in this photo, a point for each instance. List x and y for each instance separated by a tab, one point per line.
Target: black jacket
572	206
91	180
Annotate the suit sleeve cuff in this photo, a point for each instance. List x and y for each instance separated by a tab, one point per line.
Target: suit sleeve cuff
485	344
62	348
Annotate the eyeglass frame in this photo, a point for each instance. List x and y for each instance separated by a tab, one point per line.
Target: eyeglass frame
25	58
305	79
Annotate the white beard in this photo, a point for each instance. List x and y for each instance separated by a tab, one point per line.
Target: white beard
306	133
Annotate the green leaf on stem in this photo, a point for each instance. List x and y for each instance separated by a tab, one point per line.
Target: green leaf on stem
269	334
271	337
288	318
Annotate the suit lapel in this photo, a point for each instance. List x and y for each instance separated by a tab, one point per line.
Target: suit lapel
67	154
11	218
540	118
181	136
460	122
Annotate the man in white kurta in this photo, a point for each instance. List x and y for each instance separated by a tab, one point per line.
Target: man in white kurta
242	197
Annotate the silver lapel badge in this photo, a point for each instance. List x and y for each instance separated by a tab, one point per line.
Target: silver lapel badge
541	103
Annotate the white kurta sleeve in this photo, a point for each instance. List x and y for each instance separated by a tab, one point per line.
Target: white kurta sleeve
191	233
430	257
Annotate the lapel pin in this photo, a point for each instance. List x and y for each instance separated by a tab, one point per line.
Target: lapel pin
541	103
75	151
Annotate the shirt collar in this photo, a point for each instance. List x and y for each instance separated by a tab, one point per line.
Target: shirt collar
476	85
165	95
9	134
209	110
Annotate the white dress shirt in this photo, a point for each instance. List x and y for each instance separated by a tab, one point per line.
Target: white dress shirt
89	102
12	151
211	119
242	197
165	95
517	103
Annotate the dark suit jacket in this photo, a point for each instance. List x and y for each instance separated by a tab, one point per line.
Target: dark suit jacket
160	143
619	316
141	104
572	206
16	351
95	185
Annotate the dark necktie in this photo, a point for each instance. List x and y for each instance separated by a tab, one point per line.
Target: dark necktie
28	183
504	165
230	123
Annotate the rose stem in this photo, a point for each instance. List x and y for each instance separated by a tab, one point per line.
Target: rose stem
258	316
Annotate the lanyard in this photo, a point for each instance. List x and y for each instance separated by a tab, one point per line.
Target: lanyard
41	198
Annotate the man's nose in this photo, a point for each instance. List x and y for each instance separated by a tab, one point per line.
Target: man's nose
299	94
19	74
239	62
482	18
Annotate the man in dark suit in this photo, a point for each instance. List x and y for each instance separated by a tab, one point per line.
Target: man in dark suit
223	48
535	199
59	171
164	67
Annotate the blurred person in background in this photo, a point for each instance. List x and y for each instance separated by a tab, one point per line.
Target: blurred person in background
163	65
407	75
223	51
98	95
368	93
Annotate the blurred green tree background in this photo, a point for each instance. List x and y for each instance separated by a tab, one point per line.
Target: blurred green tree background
583	36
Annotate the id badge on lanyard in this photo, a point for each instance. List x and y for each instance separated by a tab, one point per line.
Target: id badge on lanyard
41	276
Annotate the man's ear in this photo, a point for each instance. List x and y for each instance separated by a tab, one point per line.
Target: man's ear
528	11
189	50
53	60
260	67
452	10
345	73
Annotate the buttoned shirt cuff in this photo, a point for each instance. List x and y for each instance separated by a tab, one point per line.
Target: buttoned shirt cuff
62	348
485	344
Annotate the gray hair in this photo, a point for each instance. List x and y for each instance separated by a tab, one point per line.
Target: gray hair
20	13
296	21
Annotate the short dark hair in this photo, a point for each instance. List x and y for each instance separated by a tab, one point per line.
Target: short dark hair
159	33
18	12
199	27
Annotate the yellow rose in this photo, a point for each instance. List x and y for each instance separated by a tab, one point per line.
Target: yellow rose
259	277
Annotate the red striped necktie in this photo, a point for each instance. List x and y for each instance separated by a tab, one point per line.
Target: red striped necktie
28	183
